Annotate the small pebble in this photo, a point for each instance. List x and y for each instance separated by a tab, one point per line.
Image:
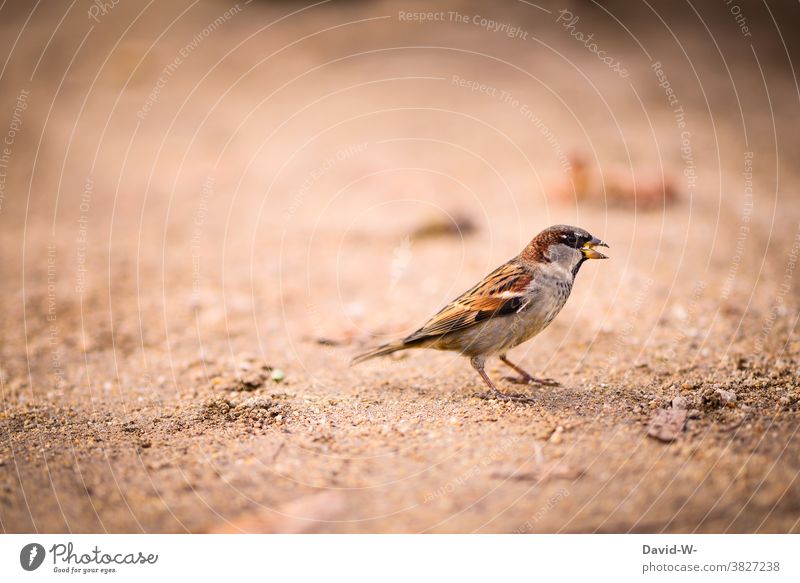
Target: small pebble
680	403
667	424
277	375
726	397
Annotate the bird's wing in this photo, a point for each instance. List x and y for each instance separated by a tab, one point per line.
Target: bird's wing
504	291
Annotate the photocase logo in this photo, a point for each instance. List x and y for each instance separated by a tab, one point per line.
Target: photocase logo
31	556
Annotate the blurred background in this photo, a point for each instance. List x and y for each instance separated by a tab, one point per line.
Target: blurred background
207	208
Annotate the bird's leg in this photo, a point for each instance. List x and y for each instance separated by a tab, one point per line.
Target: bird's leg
524	378
477	363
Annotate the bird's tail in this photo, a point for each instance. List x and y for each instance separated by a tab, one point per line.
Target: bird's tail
382	350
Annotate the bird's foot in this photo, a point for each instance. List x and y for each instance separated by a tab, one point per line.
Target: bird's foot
500	396
531	380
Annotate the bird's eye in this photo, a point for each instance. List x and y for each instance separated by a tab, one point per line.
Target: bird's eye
572	240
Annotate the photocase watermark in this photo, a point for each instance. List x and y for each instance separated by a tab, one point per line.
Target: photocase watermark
489	24
404	16
687	316
320	171
779	306
551	503
200	215
6	149
738	15
569	21
53	337
474	470
678	113
101	8
169	70
81	240
509	30
508	99
621	340
744	226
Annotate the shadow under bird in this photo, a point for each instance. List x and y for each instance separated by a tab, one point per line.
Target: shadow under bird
512	304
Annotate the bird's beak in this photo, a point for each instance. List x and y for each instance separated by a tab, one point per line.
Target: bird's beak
589	251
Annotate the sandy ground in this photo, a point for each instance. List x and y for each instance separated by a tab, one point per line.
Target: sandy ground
200	229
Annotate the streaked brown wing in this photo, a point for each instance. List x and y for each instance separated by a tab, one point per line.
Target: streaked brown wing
501	292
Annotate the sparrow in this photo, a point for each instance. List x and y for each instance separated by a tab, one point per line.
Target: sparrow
512	304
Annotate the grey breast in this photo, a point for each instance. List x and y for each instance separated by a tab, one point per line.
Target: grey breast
548	295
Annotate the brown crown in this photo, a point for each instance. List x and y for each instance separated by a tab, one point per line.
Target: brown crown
537	248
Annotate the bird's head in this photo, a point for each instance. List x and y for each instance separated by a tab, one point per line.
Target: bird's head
563	245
